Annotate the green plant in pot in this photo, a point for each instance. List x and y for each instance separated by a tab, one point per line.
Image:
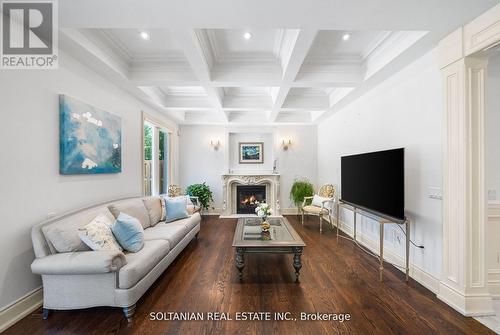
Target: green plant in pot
203	192
301	188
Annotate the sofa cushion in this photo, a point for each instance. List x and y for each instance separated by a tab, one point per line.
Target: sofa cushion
133	207
154	207
63	235
139	264
189	223
315	210
171	232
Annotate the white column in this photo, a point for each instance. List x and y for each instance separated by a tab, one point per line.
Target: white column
463	282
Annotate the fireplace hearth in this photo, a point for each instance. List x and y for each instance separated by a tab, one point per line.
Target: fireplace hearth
247	196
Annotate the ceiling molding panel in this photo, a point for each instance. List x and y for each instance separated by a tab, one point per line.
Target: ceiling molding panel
234	64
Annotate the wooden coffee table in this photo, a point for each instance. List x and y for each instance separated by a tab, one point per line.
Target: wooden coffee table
281	239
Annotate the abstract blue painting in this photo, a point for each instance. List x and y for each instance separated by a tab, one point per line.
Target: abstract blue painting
90	139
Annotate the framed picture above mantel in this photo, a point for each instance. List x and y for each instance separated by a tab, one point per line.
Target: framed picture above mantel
251	152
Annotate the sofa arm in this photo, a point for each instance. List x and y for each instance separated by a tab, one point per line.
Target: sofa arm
78	263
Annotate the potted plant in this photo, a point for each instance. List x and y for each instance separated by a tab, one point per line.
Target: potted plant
203	192
301	188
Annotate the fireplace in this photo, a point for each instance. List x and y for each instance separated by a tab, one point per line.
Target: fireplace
247	195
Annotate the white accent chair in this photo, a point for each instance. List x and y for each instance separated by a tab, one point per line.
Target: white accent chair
326	198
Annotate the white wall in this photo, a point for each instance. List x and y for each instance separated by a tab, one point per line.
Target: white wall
199	162
404	111
31	186
267	140
492	152
492	157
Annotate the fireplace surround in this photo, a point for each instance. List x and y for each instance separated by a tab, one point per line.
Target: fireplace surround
230	183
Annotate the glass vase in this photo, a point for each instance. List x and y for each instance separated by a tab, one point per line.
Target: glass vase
264	225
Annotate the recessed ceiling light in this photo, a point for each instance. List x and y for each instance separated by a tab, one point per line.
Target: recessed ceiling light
145	35
247	35
346	36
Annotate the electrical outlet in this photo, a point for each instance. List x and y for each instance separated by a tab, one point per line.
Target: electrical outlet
492	194
435	193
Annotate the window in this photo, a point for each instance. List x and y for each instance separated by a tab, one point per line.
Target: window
157	162
163	161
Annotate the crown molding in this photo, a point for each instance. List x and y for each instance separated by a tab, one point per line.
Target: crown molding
374	44
394	44
208	49
115	44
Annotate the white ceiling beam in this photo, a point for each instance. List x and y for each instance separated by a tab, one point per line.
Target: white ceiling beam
194	53
301	46
87	49
154	93
155	77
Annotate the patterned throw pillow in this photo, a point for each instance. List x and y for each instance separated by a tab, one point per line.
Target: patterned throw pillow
97	234
163	215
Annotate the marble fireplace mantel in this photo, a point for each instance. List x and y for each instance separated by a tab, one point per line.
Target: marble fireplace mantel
231	180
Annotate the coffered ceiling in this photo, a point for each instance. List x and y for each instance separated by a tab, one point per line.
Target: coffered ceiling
241	69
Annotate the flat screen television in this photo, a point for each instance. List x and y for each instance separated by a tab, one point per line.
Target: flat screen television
375	181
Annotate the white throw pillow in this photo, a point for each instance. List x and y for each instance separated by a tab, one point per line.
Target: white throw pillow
163	215
98	235
318	201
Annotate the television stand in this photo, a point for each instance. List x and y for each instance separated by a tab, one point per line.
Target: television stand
382	220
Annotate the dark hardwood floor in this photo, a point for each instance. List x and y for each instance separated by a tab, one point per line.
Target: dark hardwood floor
335	278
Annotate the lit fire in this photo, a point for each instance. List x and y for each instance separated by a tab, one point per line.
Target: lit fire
249	200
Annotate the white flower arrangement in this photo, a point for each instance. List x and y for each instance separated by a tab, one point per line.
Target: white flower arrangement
263	209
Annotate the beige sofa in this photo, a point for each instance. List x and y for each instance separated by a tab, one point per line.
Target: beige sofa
75	277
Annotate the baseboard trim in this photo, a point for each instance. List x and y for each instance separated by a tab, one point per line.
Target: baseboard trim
212	211
290	211
466	304
21	308
417	273
494	283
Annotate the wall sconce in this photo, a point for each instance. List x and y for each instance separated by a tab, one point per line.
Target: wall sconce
215	144
285	144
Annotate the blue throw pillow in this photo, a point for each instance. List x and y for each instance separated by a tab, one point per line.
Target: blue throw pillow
176	209
128	232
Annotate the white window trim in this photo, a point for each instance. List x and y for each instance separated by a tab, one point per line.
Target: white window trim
158	124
